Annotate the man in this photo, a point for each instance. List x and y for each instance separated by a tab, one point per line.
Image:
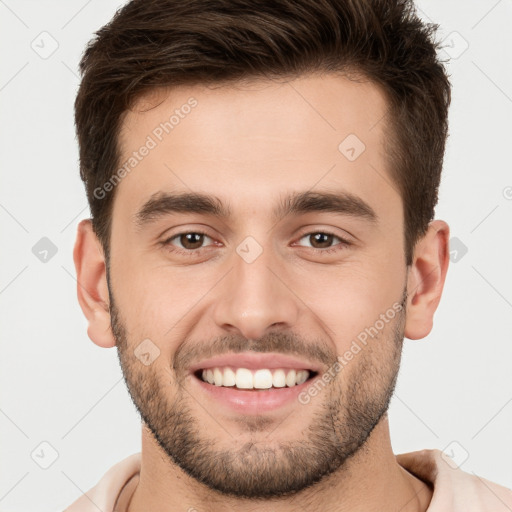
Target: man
262	178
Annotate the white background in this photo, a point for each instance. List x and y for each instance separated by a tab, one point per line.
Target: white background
58	387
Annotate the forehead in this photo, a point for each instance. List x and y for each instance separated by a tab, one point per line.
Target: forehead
251	142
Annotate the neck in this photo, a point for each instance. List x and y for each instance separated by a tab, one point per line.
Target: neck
371	480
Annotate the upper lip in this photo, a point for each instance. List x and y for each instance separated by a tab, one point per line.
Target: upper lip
254	361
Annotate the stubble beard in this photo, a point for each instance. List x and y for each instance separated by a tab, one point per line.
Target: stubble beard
261	468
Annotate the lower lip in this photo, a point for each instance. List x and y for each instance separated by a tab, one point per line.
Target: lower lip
253	402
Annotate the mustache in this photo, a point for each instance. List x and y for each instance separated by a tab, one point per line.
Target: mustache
274	342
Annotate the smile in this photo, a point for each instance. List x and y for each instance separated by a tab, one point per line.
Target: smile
253	383
262	378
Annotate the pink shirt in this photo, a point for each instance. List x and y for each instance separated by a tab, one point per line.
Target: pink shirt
454	490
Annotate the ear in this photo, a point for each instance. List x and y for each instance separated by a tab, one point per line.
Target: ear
92	285
426	279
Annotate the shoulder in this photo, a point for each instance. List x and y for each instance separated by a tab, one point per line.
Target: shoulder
455	489
104	494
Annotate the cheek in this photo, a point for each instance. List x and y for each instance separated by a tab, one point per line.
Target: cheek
157	302
357	301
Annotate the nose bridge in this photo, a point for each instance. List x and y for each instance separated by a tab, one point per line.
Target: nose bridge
254	297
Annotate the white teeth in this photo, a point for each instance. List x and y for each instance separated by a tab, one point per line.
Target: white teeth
244	378
209	376
290	378
279	379
217	377
301	377
229	377
264	378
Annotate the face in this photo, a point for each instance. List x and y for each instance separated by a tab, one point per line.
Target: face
257	277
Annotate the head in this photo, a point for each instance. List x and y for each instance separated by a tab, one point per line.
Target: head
262	178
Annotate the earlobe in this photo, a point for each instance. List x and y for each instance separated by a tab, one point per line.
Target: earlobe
426	279
92	287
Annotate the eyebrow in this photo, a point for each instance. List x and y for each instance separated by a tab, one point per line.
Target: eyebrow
344	203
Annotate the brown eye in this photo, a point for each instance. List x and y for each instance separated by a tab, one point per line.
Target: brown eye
321	240
189	241
324	242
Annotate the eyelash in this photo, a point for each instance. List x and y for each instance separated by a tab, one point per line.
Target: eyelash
192	252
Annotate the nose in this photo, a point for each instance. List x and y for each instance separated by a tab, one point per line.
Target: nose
256	297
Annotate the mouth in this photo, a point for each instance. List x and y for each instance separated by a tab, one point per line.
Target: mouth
259	379
252	383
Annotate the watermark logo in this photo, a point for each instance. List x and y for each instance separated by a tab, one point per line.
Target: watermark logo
44	250
458	249
454	45
352	147
44	455
249	249
45	45
455	455
146	352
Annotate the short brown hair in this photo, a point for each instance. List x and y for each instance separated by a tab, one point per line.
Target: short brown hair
163	43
